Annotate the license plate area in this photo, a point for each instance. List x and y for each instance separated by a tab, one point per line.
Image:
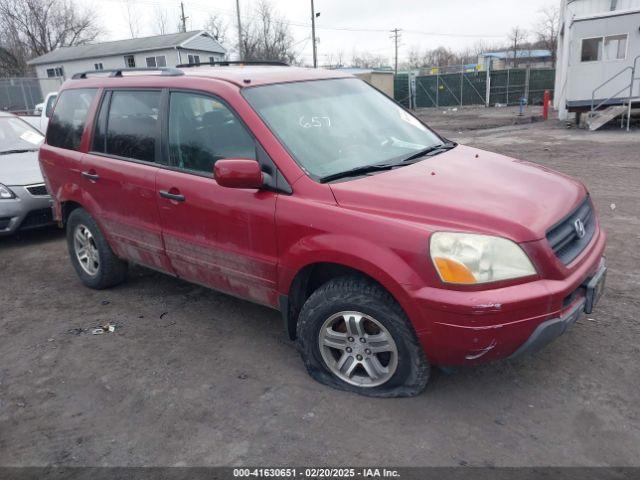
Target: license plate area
594	289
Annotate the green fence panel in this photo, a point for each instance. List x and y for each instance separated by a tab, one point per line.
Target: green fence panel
539	81
401	89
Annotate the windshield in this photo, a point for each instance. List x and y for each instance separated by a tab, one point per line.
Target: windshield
333	126
16	134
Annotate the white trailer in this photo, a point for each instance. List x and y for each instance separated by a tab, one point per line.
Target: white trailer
598	49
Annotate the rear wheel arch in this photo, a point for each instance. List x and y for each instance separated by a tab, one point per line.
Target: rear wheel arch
66	208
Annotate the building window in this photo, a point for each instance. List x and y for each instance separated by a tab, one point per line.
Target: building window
129	61
194	59
55	72
592	49
98	66
212	59
615	47
156	62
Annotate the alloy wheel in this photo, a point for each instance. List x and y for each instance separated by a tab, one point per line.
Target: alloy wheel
358	349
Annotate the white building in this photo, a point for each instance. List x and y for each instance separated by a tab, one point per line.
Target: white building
158	51
598	44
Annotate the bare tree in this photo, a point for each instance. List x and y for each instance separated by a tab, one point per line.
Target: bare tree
161	21
368	60
547	30
516	38
132	18
267	36
217	27
37	27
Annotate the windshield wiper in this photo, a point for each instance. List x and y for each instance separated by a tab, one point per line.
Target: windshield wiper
18	150
359	171
431	151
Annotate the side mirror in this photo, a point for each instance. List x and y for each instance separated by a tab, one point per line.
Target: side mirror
238	173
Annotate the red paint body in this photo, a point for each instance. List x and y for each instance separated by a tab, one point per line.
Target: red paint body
253	242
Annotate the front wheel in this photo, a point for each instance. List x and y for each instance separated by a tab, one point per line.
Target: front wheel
354	336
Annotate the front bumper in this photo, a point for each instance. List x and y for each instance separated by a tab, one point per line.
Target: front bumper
24	212
459	328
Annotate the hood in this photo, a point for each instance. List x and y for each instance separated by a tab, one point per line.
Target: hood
20	169
466	189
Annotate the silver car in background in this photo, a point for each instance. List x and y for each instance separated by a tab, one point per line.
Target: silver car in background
24	200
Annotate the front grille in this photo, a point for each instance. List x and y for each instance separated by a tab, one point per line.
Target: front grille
37	218
38	190
563	237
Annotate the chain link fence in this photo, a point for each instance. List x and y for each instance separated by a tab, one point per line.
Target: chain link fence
506	87
21	94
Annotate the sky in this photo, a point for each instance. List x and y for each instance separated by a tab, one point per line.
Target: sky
345	26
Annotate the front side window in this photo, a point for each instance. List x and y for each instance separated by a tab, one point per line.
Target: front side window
333	126
203	130
592	49
132	125
615	47
69	117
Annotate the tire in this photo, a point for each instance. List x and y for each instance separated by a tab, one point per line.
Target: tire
101	268
324	321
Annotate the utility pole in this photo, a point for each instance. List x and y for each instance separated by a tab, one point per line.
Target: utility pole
239	30
183	19
314	15
396	37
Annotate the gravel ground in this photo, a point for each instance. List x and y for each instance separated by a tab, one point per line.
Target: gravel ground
194	377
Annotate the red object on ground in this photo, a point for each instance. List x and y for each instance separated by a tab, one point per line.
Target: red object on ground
545	104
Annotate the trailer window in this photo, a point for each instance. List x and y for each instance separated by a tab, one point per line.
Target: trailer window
592	49
615	47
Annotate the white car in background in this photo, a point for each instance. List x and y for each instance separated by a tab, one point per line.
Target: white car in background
42	113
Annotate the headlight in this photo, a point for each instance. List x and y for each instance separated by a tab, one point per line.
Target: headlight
467	259
5	193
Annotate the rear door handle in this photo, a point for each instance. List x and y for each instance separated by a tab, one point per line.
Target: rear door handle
172	196
94	177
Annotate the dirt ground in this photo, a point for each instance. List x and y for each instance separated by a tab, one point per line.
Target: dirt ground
194	377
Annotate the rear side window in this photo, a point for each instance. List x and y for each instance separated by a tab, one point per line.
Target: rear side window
69	117
130	127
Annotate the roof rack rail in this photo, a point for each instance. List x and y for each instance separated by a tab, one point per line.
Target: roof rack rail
117	72
227	63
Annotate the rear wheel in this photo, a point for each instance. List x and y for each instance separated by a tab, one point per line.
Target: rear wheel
91	256
354	336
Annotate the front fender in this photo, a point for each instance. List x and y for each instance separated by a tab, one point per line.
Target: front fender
382	264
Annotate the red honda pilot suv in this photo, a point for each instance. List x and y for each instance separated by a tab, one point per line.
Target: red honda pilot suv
387	248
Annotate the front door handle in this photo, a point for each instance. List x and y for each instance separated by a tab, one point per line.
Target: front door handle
172	196
94	177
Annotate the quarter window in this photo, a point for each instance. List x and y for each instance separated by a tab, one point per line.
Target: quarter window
131	125
203	130
69	117
615	47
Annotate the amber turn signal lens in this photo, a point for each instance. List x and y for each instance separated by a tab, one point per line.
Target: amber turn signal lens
454	272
